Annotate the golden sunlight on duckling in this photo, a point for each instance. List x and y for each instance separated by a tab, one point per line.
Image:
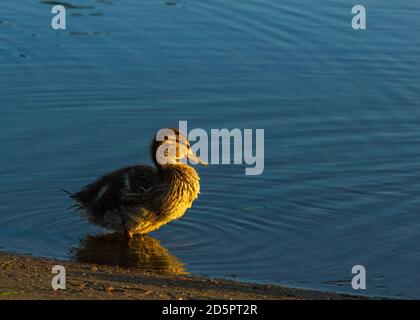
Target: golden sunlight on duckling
141	198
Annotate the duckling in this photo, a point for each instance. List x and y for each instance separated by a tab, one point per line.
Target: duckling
139	199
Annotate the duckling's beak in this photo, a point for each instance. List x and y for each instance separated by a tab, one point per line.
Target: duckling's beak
193	157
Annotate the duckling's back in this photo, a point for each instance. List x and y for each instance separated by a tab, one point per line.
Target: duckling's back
105	197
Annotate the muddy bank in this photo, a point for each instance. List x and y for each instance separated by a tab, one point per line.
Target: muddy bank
26	277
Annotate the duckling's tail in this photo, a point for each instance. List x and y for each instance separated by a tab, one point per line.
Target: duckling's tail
76	206
68	192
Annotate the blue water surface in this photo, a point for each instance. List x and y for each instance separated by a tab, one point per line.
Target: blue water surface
340	109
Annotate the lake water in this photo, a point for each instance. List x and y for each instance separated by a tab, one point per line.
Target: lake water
340	109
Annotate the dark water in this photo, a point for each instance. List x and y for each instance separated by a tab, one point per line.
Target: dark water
340	109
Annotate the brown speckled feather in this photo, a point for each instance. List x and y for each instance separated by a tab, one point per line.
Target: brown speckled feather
108	191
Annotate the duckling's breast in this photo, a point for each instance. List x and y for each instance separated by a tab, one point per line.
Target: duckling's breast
182	186
169	200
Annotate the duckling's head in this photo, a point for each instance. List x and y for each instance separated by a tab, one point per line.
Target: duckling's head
171	146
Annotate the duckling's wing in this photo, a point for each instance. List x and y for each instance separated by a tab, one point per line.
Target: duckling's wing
113	190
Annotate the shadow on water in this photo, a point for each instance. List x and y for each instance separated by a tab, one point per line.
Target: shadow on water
143	252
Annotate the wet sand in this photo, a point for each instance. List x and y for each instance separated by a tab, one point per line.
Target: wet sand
27	277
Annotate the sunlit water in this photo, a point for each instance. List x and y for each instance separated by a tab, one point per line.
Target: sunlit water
340	109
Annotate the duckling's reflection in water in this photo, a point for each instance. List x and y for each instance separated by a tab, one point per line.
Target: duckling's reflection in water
141	252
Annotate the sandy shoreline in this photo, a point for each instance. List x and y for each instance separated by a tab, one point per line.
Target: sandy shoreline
27	277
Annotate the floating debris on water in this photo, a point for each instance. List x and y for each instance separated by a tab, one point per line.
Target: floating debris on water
68	5
74	33
105	2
